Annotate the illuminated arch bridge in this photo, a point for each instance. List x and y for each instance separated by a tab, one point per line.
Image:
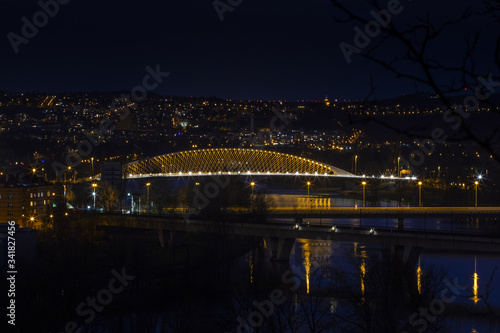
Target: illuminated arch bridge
229	161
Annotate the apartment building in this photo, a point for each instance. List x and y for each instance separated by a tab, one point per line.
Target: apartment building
25	200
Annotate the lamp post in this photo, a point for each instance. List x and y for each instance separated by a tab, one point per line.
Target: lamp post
419	194
92	162
476	183
308	202
355	164
94	185
132	203
399	159
364	193
147	191
197	191
252	185
68	169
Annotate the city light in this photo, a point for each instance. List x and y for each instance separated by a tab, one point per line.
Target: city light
419	194
364	193
308	199
147	194
94	186
476	183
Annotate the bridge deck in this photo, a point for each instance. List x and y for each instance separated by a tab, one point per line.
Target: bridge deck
386	236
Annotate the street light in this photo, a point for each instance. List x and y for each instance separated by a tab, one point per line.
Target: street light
252	184
197	186
355	164
94	185
308	201
399	159
147	189
67	169
92	160
364	193
476	183
419	194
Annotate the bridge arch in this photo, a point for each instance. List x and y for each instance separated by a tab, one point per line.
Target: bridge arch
225	161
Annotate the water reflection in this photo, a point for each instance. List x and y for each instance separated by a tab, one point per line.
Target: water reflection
251	263
306	255
475	296
362	267
333	305
419	277
313	256
362	270
314	202
325	201
313	253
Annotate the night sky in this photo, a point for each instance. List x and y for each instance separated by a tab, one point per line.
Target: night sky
286	50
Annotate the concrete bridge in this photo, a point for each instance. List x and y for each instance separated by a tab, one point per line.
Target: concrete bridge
280	237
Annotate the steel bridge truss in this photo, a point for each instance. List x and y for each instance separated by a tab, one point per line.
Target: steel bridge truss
228	161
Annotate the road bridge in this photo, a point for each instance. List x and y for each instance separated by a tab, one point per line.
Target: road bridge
407	244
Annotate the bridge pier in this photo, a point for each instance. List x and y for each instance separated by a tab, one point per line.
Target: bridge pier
280	247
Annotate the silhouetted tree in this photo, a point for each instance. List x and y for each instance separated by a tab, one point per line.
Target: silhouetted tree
260	206
108	196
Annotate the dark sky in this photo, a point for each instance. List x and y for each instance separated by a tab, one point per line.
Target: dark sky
278	49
